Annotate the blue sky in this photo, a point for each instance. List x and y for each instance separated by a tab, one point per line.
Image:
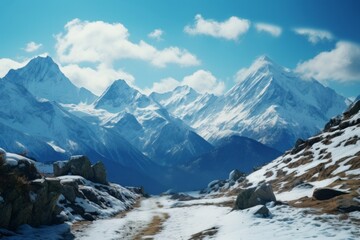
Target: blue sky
200	43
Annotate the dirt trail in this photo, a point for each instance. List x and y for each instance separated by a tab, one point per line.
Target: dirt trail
145	220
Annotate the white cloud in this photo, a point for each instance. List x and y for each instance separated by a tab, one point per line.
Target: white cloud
274	30
230	29
156	34
340	64
314	35
6	64
164	85
201	81
32	46
101	42
95	79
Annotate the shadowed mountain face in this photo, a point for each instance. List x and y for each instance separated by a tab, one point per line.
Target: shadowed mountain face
231	153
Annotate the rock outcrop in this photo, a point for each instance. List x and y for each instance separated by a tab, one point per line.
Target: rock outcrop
25	198
235	176
251	197
81	166
28	198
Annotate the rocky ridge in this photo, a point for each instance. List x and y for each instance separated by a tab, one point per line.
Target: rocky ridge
26	197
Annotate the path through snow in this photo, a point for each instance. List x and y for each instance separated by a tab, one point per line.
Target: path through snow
187	218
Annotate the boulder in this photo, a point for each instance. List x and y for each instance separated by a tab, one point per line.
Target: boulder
254	196
263	211
81	165
2	155
182	197
61	168
88	217
235	175
44	195
99	173
326	193
26	198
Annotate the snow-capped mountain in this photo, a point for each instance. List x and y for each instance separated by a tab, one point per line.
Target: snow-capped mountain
148	126
184	102
270	104
43	78
46	131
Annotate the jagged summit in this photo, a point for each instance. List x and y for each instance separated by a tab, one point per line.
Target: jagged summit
43	78
269	103
120	96
184	89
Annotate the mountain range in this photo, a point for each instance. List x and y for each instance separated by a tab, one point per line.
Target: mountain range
177	139
269	103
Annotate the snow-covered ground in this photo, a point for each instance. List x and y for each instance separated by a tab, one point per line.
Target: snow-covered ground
182	221
191	217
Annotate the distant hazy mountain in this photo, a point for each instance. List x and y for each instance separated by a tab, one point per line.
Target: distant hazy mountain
233	152
270	104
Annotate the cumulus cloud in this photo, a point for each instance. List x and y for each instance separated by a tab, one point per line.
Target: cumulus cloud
273	30
164	85
340	64
230	29
6	64
202	81
95	79
314	35
101	42
156	34
32	47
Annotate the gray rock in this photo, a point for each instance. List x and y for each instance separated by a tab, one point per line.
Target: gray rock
61	168
326	193
263	212
235	175
2	155
88	217
255	196
5	210
81	165
99	173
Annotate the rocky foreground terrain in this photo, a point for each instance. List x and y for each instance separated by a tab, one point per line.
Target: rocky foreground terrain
77	191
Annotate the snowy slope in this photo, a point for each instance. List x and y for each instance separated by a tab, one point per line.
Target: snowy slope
329	159
147	125
43	78
184	102
270	104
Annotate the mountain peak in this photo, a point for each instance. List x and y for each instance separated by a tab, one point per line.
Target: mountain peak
266	62
43	78
41	62
264	58
119	95
119	85
185	89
